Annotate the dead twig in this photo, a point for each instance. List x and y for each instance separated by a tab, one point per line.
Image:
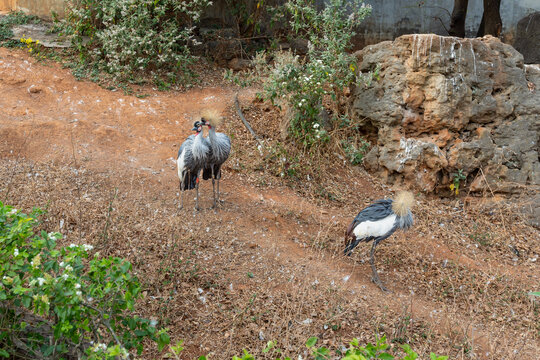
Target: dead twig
108	221
239	110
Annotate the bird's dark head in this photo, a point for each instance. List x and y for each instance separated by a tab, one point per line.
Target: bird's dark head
197	127
206	123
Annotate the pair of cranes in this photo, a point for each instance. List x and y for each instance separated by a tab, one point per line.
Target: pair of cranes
206	154
374	223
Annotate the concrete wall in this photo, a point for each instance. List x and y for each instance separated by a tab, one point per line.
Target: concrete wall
389	19
7	5
41	8
392	18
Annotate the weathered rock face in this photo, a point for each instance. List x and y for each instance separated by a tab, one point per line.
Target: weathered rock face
444	104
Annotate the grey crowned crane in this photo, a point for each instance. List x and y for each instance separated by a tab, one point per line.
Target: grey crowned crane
192	156
220	149
377	222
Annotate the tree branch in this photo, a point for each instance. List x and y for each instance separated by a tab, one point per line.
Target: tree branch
239	110
107	324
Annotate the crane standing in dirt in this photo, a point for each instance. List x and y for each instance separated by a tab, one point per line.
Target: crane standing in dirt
220	148
192	157
377	222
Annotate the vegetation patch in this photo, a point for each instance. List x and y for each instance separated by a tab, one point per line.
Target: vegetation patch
61	302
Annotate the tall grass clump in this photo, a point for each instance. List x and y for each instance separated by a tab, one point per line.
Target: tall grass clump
126	38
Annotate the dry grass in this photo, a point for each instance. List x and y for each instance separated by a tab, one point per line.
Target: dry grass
239	278
269	264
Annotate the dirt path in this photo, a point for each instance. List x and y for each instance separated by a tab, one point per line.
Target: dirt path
297	282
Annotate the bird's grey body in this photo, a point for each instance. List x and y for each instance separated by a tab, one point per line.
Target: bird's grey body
192	157
377	222
220	149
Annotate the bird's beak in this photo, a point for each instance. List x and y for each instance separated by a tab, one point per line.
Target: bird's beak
195	129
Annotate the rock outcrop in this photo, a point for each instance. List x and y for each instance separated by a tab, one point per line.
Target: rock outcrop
444	104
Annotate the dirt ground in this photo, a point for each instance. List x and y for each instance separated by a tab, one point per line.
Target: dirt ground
268	265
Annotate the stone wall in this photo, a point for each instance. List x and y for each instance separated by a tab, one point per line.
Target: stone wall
445	104
41	8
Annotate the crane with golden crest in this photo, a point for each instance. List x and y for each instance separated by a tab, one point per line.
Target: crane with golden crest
377	222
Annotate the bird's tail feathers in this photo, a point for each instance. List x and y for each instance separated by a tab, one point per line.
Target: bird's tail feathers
207	172
212	116
402	203
350	242
189	180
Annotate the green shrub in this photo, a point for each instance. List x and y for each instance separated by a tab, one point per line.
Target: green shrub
62	301
303	84
8	21
127	37
355	352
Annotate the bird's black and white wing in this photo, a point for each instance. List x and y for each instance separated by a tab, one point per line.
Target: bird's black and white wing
375	220
185	157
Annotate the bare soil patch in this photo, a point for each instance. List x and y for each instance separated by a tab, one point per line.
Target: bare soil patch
268	265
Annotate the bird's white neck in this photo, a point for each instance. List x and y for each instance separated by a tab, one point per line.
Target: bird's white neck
199	148
212	134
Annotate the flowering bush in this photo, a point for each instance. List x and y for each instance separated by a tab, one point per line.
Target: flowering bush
31	45
61	301
130	36
327	69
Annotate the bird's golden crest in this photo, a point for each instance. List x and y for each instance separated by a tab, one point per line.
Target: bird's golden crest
403	202
212	116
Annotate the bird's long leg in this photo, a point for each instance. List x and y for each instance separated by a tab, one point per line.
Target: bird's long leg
197	198
181	194
219	177
375	276
214	186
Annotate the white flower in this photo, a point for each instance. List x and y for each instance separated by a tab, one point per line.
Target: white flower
316	126
69	268
77	286
12	211
99	347
65	276
87	247
16	252
62	264
78	293
40	281
73	245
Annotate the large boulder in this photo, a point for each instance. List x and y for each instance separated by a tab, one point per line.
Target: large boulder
444	104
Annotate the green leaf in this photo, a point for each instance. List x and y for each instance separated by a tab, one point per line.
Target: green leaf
163	340
433	356
269	346
535	293
311	341
4	353
386	356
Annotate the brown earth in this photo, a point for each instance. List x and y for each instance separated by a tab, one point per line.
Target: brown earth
268	264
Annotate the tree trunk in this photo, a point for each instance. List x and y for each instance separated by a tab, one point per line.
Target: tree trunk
457	22
491	23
